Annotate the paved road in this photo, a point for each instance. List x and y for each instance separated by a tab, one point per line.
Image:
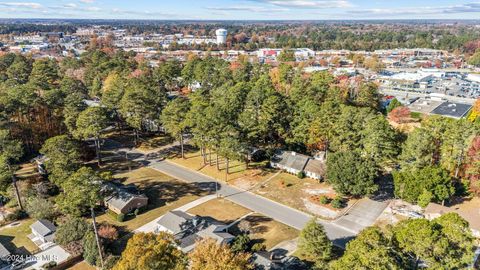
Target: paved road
277	211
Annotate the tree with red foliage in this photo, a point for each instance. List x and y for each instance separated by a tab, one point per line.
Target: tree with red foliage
473	165
108	231
399	115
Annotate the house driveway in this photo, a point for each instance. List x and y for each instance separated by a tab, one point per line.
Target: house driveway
55	253
363	214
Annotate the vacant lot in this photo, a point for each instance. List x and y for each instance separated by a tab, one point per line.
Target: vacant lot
265	230
14	237
238	174
221	210
164	193
298	193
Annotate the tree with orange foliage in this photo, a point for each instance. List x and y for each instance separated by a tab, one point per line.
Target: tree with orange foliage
400	115
473	165
108	231
208	255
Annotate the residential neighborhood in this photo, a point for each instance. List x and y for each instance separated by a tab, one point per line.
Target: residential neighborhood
238	135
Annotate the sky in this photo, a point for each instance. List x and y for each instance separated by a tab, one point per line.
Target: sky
241	9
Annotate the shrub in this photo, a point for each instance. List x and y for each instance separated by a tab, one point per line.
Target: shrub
120	217
301	175
111	261
241	243
90	249
16	215
324	199
73	229
136	212
425	198
74	248
108	231
337	202
49	265
40	208
258	247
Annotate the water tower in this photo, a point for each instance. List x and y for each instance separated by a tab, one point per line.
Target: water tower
221	36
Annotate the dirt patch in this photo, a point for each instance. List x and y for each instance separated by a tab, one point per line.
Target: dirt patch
320	210
299	193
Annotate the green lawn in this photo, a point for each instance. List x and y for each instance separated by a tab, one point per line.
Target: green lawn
15	239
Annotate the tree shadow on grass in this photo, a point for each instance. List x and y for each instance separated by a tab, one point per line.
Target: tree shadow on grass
6	241
162	193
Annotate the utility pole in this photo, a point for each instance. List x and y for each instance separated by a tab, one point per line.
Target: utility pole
96	236
15	187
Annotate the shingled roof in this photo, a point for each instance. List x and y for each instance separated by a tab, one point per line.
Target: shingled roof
290	159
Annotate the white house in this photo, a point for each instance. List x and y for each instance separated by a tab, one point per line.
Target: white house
43	233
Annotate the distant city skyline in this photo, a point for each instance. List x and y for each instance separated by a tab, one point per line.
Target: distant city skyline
241	9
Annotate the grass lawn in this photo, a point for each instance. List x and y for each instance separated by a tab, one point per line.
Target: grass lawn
221	210
82	266
164	193
15	239
238	174
266	230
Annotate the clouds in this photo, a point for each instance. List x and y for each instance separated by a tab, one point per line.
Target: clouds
432	11
307	4
29	5
242	9
255	9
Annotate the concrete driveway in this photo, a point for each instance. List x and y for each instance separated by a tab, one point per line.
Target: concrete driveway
55	253
363	214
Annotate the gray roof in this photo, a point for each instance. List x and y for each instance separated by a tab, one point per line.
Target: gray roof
175	221
217	233
290	159
316	166
43	227
187	243
450	109
187	232
4	252
121	197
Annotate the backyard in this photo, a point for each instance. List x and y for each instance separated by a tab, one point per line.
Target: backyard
164	193
265	230
15	237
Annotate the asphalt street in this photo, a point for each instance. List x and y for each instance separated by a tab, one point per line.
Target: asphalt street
269	208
